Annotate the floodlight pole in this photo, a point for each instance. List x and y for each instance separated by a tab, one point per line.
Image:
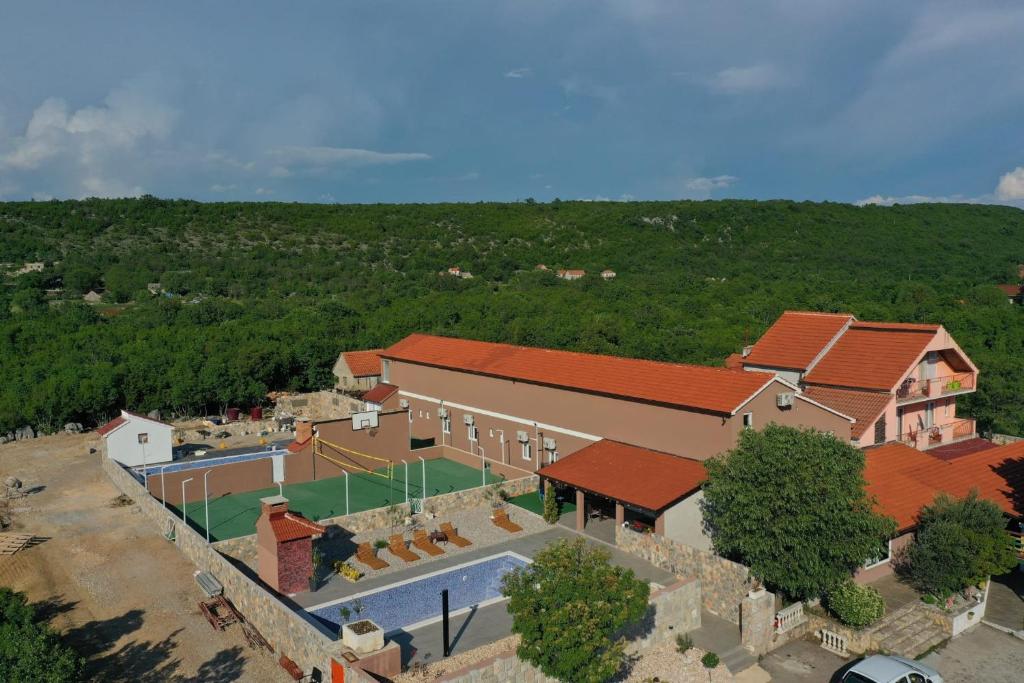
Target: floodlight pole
423	470
183	504
406	463
163	488
143	438
501	445
346	491
483	469
206	504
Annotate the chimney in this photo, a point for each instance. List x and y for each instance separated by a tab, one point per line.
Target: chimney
272	505
303	430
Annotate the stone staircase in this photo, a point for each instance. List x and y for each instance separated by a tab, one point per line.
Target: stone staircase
908	632
723	638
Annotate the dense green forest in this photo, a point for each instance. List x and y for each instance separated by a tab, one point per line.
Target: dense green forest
264	296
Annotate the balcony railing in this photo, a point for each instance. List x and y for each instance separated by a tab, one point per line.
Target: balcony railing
914	388
927	437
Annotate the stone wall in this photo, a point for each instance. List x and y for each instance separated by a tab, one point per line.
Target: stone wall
317	405
723	583
244	547
290	632
499	669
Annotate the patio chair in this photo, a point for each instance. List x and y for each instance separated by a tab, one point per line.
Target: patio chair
502	521
365	554
396	544
422	541
453	535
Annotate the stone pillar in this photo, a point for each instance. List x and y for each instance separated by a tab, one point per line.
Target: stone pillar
659	525
620	514
757	621
581	513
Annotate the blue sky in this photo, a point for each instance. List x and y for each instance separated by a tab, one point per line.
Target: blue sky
466	101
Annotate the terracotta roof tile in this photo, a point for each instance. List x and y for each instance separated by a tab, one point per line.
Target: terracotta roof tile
363	363
796	338
716	390
380	392
871	357
289	526
111	426
630	474
863	406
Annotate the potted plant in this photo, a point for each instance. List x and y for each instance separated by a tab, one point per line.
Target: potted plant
756	588
363	636
496	495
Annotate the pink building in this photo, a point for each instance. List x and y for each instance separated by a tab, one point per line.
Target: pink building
899	381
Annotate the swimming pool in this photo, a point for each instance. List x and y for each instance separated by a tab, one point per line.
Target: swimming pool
202	463
417	602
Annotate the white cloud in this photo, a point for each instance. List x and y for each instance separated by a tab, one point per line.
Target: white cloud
263	191
1011	185
577	87
521	72
736	80
217	187
708	185
340	156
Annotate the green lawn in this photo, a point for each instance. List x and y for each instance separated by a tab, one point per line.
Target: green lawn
531	501
235	515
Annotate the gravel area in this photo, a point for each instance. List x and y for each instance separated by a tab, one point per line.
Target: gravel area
473	524
441	667
664	664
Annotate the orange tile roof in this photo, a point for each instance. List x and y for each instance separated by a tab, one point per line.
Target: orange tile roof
111	426
717	390
796	338
734	361
871	357
863	406
363	363
380	392
904	480
290	526
629	474
868	325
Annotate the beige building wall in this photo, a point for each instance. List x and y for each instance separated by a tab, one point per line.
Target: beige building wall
684	522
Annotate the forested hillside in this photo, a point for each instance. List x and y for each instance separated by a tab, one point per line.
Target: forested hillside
264	296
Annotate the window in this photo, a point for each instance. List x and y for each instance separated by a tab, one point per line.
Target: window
143	437
446	425
881	556
410	417
527	451
880	430
945	408
428	414
748	420
385	370
471	432
421	414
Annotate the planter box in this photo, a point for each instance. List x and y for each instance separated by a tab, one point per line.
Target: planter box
362	643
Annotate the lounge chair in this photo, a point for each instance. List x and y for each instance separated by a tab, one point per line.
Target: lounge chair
422	541
396	544
453	535
501	520
365	554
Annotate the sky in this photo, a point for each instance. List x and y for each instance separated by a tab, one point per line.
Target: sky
355	101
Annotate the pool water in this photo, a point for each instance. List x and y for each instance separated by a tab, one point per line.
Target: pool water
416	602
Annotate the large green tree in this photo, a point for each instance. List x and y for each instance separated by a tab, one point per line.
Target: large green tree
569	607
30	651
958	543
791	505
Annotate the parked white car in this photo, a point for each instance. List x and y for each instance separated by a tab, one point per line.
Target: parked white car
883	669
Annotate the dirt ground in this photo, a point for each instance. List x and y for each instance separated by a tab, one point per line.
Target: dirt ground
124	597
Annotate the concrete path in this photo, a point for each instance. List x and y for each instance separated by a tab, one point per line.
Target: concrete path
803	661
1005	608
981	654
723	638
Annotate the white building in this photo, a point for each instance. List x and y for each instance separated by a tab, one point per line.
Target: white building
134	439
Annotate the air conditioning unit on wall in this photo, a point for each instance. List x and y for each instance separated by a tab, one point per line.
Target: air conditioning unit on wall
522	437
403	402
467	419
785	399
442	413
549	444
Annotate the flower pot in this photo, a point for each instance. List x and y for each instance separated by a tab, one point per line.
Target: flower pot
756	593
362	637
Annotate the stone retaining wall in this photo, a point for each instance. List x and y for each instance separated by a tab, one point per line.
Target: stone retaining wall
723	583
317	405
290	632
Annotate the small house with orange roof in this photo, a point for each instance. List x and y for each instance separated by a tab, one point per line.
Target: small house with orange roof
134	440
357	370
572	274
899	381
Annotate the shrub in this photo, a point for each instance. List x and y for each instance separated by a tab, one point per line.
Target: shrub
683	643
31	651
710	660
550	507
855	605
380	544
959	543
568	608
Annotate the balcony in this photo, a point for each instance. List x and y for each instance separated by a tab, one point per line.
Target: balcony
937	435
914	389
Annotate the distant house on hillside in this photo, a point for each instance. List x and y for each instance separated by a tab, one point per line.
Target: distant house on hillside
357	370
571	274
30	267
540	266
607	274
1014	293
455	271
92	297
154	288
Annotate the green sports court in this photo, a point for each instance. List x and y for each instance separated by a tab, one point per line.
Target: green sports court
235	515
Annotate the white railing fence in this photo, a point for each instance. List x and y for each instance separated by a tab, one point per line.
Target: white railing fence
833	642
789	617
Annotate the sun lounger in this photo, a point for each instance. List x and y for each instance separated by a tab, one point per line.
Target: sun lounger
501	520
365	554
396	544
422	541
453	535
